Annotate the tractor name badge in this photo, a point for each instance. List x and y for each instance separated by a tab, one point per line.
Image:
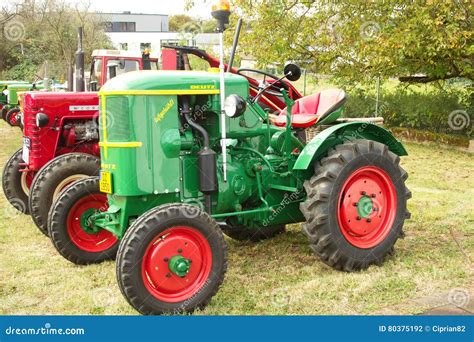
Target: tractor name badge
82	108
165	110
203	86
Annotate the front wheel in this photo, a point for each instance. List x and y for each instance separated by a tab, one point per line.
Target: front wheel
170	263
16	184
356	205
12	117
70	229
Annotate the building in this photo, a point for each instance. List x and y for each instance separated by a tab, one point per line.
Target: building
138	31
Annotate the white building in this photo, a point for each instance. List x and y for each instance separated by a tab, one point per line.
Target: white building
137	31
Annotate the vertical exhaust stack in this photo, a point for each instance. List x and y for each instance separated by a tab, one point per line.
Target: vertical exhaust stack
80	82
234	45
221	12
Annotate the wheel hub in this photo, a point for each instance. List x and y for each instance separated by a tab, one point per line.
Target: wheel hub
179	265
166	265
80	229
367	207
86	222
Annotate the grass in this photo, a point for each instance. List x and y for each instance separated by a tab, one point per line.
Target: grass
279	276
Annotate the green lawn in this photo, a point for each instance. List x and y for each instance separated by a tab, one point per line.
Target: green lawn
279	276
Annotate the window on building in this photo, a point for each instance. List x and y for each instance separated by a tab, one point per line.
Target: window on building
127	27
120	26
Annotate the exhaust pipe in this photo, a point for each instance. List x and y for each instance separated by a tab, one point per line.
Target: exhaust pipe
80	82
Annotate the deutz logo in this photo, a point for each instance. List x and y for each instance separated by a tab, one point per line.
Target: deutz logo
203	86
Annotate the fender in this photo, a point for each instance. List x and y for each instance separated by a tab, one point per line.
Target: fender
338	134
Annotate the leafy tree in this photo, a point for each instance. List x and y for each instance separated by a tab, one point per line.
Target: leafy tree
358	40
183	23
45	30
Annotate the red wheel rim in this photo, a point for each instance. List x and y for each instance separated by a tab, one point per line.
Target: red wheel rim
367	207
29	179
84	240
13	121
163	284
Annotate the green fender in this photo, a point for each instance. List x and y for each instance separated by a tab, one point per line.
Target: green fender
338	134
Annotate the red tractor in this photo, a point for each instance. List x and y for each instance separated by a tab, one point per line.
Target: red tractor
61	134
59	123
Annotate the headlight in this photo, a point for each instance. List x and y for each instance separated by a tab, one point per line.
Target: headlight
234	106
41	119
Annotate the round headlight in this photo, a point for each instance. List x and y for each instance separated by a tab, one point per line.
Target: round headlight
41	119
234	106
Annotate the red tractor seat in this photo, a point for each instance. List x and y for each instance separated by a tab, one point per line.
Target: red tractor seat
309	109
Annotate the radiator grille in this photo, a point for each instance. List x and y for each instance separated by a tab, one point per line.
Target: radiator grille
117	119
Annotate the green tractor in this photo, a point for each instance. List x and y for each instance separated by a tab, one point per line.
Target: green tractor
190	156
4	103
11	109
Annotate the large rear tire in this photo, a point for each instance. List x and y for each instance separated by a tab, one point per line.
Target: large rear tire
356	205
68	228
15	183
152	249
54	177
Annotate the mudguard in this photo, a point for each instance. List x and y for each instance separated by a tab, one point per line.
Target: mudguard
338	134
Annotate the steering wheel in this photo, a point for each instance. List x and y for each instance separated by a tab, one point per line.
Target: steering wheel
269	88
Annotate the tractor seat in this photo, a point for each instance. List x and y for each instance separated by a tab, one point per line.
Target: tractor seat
309	109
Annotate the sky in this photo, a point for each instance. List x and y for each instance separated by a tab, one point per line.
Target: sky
201	9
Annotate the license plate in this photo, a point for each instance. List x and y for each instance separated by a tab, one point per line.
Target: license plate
26	150
105	183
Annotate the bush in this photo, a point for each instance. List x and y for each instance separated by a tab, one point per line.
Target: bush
441	110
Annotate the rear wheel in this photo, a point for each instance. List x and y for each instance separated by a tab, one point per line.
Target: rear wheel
170	263
54	177
15	183
356	205
241	233
71	232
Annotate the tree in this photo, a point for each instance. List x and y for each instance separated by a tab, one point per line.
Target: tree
183	23
45	30
358	40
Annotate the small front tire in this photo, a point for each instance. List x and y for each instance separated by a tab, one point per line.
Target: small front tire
66	219
160	237
15	183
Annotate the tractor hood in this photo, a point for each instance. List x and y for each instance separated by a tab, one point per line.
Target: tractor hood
170	82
